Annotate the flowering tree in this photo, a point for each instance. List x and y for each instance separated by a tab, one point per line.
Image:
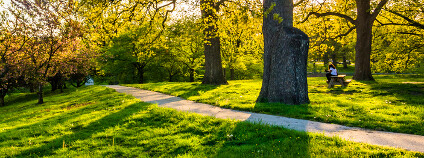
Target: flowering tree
55	46
12	40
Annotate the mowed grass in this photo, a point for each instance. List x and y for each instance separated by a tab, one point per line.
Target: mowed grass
96	121
391	103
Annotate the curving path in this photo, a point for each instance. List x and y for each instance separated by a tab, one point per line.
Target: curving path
399	140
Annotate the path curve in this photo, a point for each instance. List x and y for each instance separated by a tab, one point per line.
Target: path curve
399	140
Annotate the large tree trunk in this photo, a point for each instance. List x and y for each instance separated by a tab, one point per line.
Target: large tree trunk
285	57
212	46
363	41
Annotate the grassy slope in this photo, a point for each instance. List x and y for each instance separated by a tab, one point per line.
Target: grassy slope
387	104
99	122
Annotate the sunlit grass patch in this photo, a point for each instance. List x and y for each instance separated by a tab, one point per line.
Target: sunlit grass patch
390	103
99	122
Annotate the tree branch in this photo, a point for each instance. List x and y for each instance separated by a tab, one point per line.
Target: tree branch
378	9
167	12
411	22
298	3
332	38
351	20
346	33
218	4
410	33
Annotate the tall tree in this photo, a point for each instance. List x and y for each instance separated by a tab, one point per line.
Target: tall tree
363	24
12	41
399	38
109	21
213	63
241	38
185	41
54	31
135	48
285	56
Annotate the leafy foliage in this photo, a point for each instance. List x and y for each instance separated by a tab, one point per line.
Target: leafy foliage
43	42
241	39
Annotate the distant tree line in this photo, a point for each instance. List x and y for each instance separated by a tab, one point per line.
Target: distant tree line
47	43
42	43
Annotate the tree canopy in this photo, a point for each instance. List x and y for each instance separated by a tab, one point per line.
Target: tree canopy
47	43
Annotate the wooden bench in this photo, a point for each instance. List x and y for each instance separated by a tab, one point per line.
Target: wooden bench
338	80
346	82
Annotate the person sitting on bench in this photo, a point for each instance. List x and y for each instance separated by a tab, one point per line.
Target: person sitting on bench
332	71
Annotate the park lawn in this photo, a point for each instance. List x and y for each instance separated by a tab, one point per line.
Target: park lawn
96	121
387	104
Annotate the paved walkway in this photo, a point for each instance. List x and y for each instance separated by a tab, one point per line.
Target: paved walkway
405	141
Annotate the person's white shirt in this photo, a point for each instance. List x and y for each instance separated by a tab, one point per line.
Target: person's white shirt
333	71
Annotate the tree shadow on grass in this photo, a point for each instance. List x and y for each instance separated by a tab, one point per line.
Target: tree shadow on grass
20	99
40	109
168	133
83	133
198	89
28	96
405	92
256	140
38	128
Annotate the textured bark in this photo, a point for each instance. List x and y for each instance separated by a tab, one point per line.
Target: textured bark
363	42
285	57
213	62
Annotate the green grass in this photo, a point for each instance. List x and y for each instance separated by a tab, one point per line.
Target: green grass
388	104
96	121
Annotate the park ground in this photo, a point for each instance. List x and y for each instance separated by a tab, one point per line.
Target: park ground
97	121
